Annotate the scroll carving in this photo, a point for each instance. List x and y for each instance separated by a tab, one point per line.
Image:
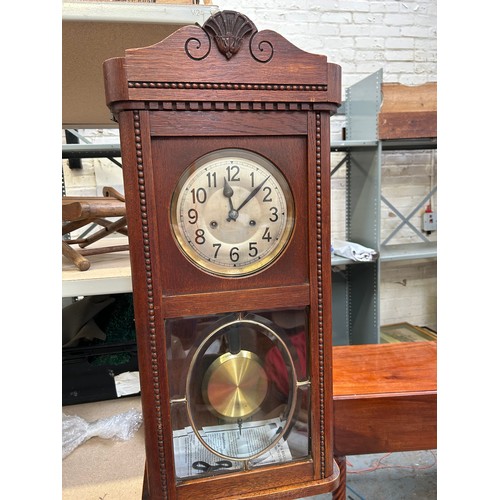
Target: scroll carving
262	51
198	49
228	29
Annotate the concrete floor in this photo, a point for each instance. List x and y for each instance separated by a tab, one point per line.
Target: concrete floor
395	476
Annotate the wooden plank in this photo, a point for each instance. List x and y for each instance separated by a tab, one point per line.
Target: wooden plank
408	112
385	423
235	300
411	98
385	398
384	368
78	208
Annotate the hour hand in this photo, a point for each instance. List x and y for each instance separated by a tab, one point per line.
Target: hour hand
228	193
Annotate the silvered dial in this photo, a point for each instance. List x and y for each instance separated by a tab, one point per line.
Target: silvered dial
232	212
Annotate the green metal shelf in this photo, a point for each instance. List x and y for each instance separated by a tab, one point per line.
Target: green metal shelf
411	251
349	144
387	145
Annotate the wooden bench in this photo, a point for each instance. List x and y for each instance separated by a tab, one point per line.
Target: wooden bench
385	400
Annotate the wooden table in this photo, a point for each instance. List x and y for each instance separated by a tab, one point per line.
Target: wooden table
385	400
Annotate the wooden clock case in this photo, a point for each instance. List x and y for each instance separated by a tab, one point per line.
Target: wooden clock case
226	85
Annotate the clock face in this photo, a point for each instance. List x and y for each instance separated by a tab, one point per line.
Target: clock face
232	212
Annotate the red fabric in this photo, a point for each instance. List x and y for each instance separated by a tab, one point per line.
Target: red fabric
276	368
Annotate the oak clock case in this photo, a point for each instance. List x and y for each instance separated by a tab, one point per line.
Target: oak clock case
225	146
225	233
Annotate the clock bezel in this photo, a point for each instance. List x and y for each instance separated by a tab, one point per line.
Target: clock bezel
256	266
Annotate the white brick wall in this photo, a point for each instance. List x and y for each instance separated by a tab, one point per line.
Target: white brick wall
360	35
408	293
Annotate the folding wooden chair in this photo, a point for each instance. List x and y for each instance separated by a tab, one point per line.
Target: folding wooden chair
78	212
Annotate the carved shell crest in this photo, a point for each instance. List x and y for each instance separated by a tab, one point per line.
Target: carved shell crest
228	29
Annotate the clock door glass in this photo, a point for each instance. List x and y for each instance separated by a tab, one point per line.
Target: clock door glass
232	212
239	391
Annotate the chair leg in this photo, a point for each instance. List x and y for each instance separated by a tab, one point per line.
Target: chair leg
81	262
107	230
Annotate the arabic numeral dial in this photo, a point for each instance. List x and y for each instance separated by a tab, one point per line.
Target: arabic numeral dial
232	213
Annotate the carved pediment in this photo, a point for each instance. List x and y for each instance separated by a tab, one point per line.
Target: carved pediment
226	60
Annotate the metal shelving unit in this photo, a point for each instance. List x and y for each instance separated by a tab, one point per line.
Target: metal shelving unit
355	285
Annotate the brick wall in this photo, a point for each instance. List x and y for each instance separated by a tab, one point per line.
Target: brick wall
362	36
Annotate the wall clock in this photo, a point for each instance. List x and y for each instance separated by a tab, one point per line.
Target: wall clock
225	147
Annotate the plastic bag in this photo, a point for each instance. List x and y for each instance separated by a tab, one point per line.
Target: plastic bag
76	430
353	251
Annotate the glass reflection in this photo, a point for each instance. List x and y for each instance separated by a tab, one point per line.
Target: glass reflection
239	390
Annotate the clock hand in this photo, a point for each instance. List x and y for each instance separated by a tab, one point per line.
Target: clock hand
252	194
228	193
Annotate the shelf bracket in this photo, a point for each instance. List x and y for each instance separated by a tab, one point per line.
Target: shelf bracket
84	140
406	220
339	164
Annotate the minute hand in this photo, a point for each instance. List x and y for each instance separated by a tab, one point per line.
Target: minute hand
252	194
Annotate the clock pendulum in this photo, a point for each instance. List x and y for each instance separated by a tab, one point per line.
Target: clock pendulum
235	384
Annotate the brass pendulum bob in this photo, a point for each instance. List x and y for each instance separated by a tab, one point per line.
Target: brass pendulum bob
235	384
